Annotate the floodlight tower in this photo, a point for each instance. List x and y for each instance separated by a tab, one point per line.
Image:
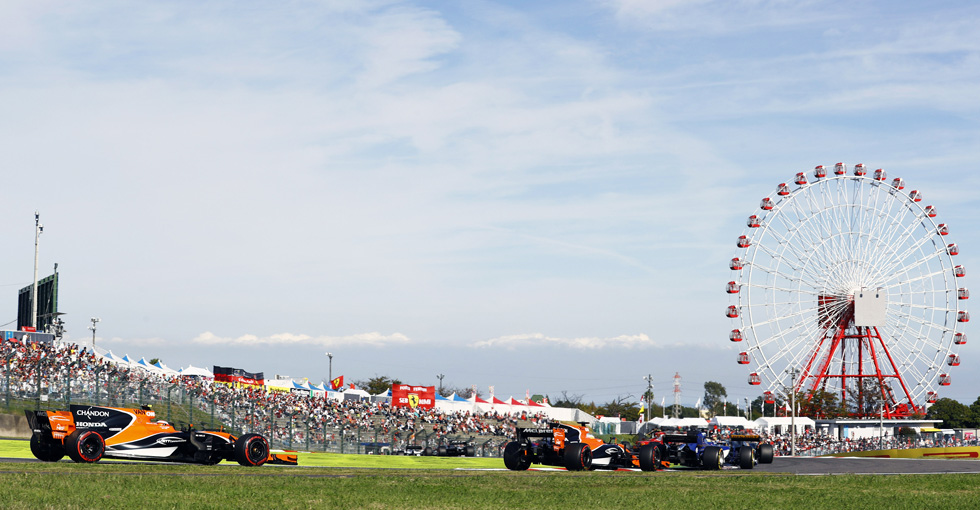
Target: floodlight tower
38	228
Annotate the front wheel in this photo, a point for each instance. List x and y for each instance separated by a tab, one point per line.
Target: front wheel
470	451
711	459
47	451
649	457
85	446
765	454
427	452
251	450
578	457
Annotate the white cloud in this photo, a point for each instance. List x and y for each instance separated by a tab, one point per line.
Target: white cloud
538	339
373	339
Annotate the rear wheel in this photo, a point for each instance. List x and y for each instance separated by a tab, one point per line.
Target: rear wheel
746	457
765	454
427	452
47	451
85	446
470	450
711	458
649	457
251	450
578	457
443	451
515	457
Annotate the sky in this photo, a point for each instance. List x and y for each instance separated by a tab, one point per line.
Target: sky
542	197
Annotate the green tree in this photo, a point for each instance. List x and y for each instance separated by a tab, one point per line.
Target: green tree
975	412
626	408
953	413
377	384
714	397
866	399
820	404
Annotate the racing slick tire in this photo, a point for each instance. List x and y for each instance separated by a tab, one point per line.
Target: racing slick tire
577	457
649	457
746	457
711	459
515	458
47	451
427	452
765	454
85	446
443	451
251	450
469	451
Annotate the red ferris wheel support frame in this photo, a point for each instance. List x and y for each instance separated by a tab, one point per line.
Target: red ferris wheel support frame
842	338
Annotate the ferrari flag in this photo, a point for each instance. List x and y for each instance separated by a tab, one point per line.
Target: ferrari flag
337	384
405	395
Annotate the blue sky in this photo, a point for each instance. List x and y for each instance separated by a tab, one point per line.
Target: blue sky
537	198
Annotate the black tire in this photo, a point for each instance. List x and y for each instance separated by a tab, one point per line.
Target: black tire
649	457
577	457
765	454
746	457
711	459
443	451
47	451
515	457
85	446
427	452
251	450
470	451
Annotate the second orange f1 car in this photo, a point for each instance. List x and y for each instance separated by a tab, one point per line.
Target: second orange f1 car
90	433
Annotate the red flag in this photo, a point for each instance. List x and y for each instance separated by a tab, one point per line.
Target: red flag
337	383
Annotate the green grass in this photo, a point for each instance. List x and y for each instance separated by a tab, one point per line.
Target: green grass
428	483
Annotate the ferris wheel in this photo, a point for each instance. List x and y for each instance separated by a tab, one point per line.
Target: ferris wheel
848	281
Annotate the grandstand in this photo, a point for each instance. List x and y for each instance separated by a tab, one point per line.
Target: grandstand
43	375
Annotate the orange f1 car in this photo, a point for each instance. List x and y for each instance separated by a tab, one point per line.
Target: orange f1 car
89	433
575	448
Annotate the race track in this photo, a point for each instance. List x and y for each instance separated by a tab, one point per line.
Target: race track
784	465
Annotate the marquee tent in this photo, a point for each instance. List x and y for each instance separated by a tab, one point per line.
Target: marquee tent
192	371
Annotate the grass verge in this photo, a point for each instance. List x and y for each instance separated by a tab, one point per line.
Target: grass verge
110	485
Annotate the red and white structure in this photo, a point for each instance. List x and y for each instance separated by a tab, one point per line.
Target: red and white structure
852	281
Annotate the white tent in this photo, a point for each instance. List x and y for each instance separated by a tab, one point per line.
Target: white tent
781	425
192	371
112	358
356	394
731	422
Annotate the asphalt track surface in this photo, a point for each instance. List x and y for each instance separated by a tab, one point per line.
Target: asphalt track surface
803	466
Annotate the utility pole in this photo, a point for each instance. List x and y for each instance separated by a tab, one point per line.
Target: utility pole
38	228
330	367
792	417
648	397
440	376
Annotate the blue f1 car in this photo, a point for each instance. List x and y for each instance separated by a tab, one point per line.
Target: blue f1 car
695	451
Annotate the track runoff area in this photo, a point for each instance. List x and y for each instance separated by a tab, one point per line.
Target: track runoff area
780	465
